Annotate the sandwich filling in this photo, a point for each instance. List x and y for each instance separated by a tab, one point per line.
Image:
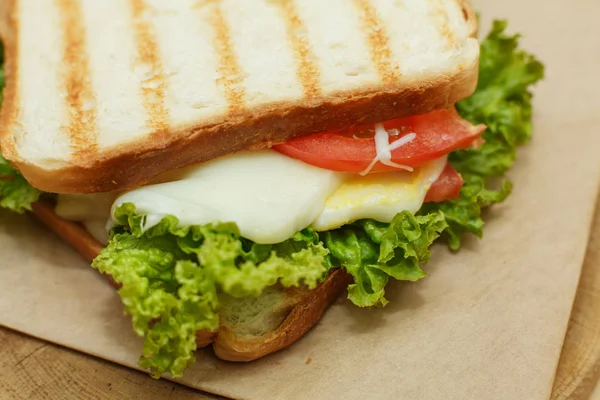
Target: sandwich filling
369	199
322	181
267	195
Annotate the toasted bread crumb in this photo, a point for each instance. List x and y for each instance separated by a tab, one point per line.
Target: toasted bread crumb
308	360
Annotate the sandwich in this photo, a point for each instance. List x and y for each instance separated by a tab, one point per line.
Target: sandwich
233	167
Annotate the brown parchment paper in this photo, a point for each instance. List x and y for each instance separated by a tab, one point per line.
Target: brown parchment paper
487	324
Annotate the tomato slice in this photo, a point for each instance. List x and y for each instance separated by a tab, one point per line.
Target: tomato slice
353	149
446	187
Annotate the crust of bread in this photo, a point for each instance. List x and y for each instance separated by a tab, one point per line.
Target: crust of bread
470	16
205	338
132	164
310	304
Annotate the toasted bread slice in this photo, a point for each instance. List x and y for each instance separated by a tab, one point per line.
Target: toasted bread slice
250	327
298	310
104	95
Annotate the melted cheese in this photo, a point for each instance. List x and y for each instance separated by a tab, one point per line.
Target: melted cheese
268	195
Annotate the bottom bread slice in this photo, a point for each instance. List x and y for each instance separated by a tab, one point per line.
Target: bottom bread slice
301	311
250	327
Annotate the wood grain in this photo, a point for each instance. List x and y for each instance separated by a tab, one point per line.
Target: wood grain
34	369
579	365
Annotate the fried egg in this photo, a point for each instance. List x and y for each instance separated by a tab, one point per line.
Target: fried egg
268	195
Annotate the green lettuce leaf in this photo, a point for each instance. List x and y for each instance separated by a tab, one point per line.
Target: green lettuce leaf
171	277
372	252
463	214
502	101
16	194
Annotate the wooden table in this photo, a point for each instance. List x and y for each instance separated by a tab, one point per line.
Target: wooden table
579	365
33	369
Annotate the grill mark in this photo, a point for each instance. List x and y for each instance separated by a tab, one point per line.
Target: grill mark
11	106
440	15
229	68
81	127
153	86
378	42
308	72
